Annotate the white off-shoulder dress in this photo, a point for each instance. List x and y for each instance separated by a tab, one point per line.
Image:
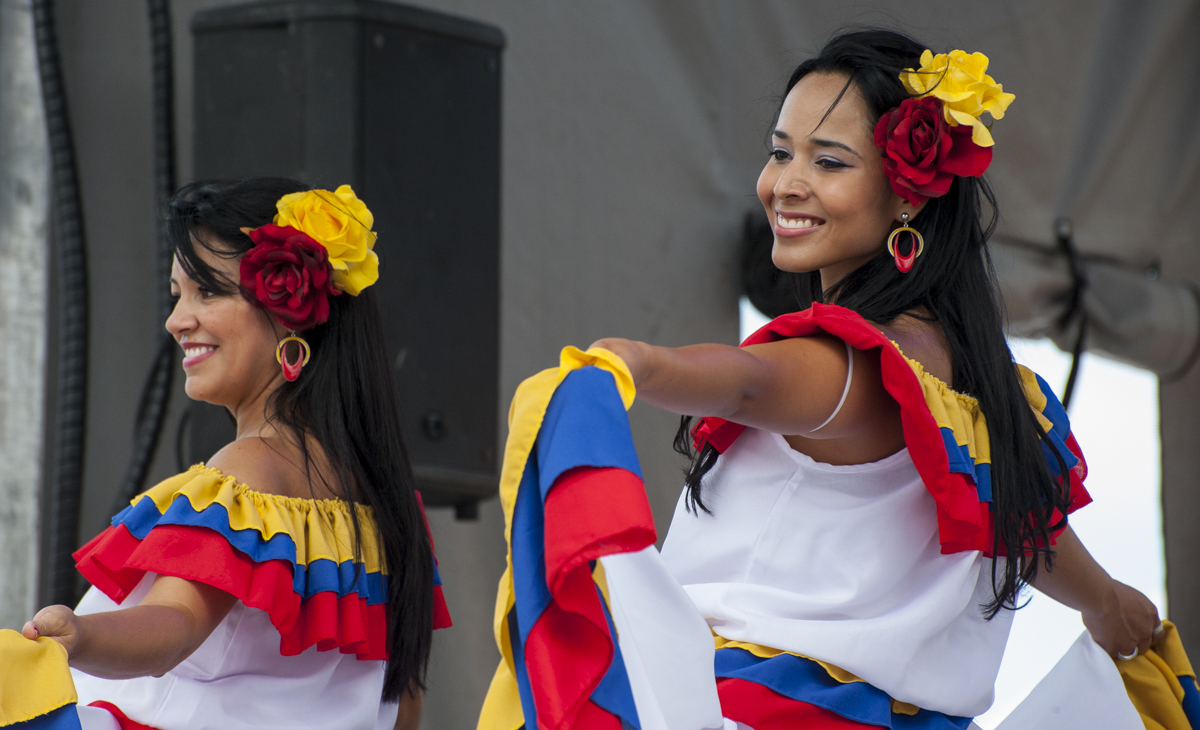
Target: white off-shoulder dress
305	646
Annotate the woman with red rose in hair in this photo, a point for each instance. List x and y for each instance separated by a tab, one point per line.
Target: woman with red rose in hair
290	581
873	480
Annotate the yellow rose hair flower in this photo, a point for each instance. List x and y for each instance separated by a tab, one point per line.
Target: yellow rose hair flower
341	223
960	80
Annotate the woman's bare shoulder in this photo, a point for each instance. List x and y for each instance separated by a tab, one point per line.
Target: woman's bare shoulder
923	340
267	465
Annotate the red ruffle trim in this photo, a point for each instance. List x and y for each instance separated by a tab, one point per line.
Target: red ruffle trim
764	709
580	527
441	612
115	562
964	522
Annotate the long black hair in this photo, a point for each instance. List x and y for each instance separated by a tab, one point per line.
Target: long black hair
955	283
345	399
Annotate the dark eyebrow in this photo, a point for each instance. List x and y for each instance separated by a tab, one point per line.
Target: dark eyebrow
819	142
838	145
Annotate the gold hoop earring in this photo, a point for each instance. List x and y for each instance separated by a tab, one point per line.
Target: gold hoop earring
291	370
904	262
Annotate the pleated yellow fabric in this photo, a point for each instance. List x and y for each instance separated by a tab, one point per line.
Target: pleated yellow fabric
956	412
321	528
34	678
962	415
1033	393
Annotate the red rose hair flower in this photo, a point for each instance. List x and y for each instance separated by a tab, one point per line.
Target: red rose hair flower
288	273
922	152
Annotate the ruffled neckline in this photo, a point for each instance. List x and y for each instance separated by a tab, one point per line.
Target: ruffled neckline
296	559
945	431
283	500
941	385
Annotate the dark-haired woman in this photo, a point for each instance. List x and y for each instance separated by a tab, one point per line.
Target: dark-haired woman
876	479
290	582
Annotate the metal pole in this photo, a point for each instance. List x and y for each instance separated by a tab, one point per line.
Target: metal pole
24	243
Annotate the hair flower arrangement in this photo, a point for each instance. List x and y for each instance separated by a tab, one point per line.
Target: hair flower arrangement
938	133
320	245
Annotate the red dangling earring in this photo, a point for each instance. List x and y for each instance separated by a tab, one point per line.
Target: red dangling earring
904	262
291	370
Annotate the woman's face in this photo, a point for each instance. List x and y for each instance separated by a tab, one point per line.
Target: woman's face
830	205
228	343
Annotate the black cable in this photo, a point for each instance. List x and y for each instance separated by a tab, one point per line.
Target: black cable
163	71
70	417
156	393
1075	309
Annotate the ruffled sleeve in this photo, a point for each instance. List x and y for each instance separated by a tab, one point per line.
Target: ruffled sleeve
292	558
945	431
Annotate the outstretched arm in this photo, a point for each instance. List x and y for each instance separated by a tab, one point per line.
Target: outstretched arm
1118	617
170	623
788	387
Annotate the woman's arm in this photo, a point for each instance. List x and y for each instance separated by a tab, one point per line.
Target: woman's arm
409	715
1118	617
170	623
788	387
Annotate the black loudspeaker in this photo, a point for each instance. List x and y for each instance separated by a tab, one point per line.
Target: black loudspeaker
404	105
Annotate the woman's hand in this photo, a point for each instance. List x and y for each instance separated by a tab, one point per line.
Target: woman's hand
1119	618
1125	622
632	352
57	622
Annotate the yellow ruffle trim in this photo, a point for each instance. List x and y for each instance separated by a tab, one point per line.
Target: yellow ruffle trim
34	678
321	528
1154	682
961	413
766	652
1035	396
955	411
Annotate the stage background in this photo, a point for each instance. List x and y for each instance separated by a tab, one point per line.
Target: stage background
633	132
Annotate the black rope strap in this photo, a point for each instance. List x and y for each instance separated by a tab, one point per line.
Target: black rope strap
1075	310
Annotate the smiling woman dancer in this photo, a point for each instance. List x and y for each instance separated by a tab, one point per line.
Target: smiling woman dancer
290	582
861	462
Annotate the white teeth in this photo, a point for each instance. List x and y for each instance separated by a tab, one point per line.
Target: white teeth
197	351
794	222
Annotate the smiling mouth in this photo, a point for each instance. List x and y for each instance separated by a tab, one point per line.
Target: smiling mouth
196	354
796	223
197	351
